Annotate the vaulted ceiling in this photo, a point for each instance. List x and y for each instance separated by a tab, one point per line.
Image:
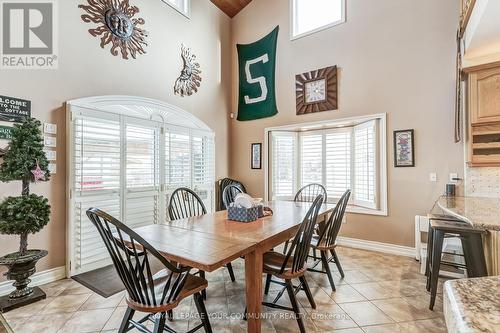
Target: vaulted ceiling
231	7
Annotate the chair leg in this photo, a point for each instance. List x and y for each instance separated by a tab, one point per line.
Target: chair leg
326	267
160	323
309	295
295	306
268	284
126	318
286	246
170	315
231	272
430	236
202	311
204	291
475	261
337	262
437	248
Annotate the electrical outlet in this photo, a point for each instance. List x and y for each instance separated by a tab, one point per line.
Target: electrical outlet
453	177
433	177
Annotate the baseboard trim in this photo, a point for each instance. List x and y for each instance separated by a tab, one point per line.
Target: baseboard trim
43	277
377	246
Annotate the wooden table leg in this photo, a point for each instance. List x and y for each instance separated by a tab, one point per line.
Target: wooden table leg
253	277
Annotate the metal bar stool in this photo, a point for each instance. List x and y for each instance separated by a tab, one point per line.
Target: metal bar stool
441	227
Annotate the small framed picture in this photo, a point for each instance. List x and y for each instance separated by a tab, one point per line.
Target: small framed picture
256	155
404	148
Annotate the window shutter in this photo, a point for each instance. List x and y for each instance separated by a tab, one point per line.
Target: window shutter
311	158
97	175
203	167
284	146
365	162
177	159
142	174
338	162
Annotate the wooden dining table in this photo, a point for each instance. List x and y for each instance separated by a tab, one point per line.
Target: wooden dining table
210	241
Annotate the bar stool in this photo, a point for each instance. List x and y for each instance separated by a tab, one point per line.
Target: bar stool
441	227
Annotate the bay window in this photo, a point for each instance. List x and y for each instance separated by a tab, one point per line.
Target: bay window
340	155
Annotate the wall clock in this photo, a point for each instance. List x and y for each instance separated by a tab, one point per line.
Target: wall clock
316	91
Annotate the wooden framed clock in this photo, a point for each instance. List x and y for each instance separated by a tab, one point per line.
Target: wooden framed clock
316	91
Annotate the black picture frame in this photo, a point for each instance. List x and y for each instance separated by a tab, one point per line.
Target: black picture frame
399	148
256	156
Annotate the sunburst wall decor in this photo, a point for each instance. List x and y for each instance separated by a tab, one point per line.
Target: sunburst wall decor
116	26
190	80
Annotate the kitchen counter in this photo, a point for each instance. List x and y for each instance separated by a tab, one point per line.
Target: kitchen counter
482	213
472	305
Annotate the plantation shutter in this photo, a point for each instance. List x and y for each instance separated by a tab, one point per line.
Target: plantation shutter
202	148
337	162
177	158
142	173
311	158
365	163
284	165
96	149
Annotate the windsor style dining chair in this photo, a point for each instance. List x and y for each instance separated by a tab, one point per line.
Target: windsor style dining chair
325	242
185	203
229	194
152	294
308	193
292	265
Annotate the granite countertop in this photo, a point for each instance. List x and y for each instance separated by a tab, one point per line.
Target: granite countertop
472	305
483	213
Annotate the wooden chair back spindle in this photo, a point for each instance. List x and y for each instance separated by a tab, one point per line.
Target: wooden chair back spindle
130	255
328	235
309	193
229	194
301	243
185	203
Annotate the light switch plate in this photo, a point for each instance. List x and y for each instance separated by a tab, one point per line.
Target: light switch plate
433	177
52	168
49	141
49	128
51	154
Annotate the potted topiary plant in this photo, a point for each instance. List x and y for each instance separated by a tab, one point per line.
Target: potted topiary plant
25	161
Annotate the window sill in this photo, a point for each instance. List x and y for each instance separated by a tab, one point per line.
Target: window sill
353	209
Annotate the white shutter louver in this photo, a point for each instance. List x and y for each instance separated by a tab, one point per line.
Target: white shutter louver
338	162
142	177
203	167
97	183
311	158
177	159
365	161
284	165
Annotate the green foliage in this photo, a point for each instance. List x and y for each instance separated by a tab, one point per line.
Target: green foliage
25	150
24	214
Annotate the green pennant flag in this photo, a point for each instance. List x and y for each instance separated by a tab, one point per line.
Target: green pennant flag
257	64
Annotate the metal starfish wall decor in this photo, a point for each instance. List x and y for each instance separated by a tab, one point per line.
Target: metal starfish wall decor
189	80
116	26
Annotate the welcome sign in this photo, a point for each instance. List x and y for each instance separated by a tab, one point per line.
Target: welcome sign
14	109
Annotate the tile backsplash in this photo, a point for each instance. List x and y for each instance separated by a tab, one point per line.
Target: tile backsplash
482	182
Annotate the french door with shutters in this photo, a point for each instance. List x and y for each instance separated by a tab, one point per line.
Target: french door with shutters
127	167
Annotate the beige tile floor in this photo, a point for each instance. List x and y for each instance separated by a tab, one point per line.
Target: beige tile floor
380	293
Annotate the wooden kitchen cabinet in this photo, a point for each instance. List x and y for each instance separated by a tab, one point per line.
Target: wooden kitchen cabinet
484	96
484	116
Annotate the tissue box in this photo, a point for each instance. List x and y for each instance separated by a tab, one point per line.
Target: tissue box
242	214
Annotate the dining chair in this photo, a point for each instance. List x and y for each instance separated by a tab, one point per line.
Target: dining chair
152	294
307	194
326	241
229	194
223	183
185	203
293	264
